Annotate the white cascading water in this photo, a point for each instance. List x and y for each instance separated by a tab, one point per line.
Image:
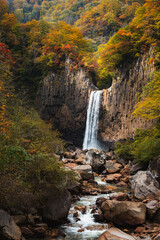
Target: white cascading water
90	138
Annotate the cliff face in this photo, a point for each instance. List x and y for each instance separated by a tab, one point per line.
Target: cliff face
116	119
63	99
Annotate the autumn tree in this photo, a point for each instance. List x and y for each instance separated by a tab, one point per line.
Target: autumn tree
61	42
148	106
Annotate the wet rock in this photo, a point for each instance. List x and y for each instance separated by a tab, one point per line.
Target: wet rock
81	230
75	214
152	208
57	206
100	201
8	228
154	168
85	171
57	233
98	217
113	177
112	167
115	234
124	212
100	227
82	209
144	185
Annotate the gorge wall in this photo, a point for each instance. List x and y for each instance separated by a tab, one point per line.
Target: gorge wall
116	119
63	99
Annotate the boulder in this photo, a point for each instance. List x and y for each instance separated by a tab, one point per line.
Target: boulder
120	196
113	177
154	168
144	185
115	234
112	167
152	208
8	228
124	212
85	171
96	159
57	206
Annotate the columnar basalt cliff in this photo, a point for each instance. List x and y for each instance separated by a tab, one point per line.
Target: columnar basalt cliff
63	99
116	119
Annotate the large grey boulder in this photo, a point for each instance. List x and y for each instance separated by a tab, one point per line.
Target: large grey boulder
124	212
57	206
85	171
144	185
8	228
115	234
96	159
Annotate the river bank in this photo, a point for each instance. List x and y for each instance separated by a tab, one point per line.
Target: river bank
110	193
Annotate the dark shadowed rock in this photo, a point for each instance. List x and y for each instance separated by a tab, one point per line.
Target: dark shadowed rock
115	234
124	212
57	206
152	208
154	168
144	185
96	159
8	228
135	168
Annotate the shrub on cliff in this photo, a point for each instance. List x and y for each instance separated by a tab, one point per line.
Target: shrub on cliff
144	148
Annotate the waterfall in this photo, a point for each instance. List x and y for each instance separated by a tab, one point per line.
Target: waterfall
90	138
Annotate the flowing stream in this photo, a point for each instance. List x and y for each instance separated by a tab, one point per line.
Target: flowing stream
92	122
85	228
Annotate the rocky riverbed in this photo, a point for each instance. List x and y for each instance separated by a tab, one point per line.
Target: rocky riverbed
111	199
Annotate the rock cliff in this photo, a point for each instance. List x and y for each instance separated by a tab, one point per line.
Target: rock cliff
63	99
116	119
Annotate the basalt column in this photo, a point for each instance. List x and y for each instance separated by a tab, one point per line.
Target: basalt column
63	99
